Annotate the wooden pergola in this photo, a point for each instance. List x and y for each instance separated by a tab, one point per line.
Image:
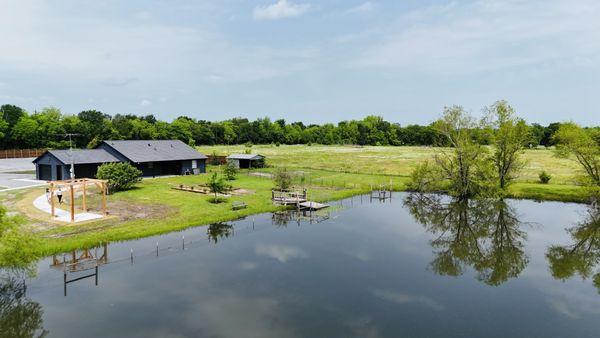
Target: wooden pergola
72	186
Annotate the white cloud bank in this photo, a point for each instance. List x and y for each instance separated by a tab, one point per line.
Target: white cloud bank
279	10
488	35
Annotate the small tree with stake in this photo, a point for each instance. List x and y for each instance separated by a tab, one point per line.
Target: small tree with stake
216	185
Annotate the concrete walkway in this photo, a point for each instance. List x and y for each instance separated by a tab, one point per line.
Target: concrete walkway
63	215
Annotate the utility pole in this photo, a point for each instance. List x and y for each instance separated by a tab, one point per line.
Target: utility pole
72	170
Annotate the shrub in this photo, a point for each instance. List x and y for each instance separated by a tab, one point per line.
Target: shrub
544	177
282	179
120	176
230	171
17	245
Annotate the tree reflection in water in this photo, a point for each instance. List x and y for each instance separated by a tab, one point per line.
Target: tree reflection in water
218	231
483	234
583	255
19	315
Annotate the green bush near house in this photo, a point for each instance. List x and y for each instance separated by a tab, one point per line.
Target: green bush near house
120	176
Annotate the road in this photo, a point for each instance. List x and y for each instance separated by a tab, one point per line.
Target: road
12	176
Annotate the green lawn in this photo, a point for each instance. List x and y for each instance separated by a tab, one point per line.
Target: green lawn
164	209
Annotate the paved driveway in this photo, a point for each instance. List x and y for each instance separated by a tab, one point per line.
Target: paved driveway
12	174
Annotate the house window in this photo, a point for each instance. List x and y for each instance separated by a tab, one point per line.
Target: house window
150	165
194	164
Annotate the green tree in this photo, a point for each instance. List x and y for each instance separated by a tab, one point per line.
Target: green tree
216	185
11	113
465	171
120	176
282	179
3	130
25	132
509	137
230	171
17	245
573	140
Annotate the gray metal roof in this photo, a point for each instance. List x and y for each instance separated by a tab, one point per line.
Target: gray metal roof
245	157
155	150
84	156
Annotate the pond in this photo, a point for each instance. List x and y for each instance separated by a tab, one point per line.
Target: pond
415	266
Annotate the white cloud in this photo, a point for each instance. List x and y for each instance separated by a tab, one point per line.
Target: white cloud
281	253
489	35
363	8
145	103
279	10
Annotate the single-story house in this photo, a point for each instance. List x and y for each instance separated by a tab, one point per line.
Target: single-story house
152	157
245	161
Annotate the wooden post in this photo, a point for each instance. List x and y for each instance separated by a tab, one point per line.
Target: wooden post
104	198
72	195
83	205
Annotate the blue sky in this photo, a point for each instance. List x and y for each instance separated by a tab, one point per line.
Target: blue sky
315	61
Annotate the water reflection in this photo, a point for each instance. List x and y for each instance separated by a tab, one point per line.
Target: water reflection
483	234
19	315
281	219
218	231
582	256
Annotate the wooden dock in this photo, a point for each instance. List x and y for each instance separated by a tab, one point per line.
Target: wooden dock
310	205
288	197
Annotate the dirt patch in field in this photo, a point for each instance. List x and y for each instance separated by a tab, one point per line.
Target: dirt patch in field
126	211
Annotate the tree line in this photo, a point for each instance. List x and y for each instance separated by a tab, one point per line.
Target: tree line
47	128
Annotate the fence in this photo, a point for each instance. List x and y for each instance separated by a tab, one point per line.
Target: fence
218	160
20	153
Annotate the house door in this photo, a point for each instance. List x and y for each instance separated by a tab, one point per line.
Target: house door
45	172
59	172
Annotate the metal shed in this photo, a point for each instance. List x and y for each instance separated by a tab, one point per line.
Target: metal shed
245	161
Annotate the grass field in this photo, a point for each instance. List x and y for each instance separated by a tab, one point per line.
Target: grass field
396	161
329	173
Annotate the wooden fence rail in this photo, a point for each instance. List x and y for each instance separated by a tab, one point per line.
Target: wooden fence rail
20	153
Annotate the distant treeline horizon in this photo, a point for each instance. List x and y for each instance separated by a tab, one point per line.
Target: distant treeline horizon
49	128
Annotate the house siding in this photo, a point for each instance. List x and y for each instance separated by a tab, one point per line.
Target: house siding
53	162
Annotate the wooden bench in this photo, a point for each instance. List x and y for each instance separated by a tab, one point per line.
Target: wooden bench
238	205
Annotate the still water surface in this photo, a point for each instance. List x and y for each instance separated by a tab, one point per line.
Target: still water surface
415	266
